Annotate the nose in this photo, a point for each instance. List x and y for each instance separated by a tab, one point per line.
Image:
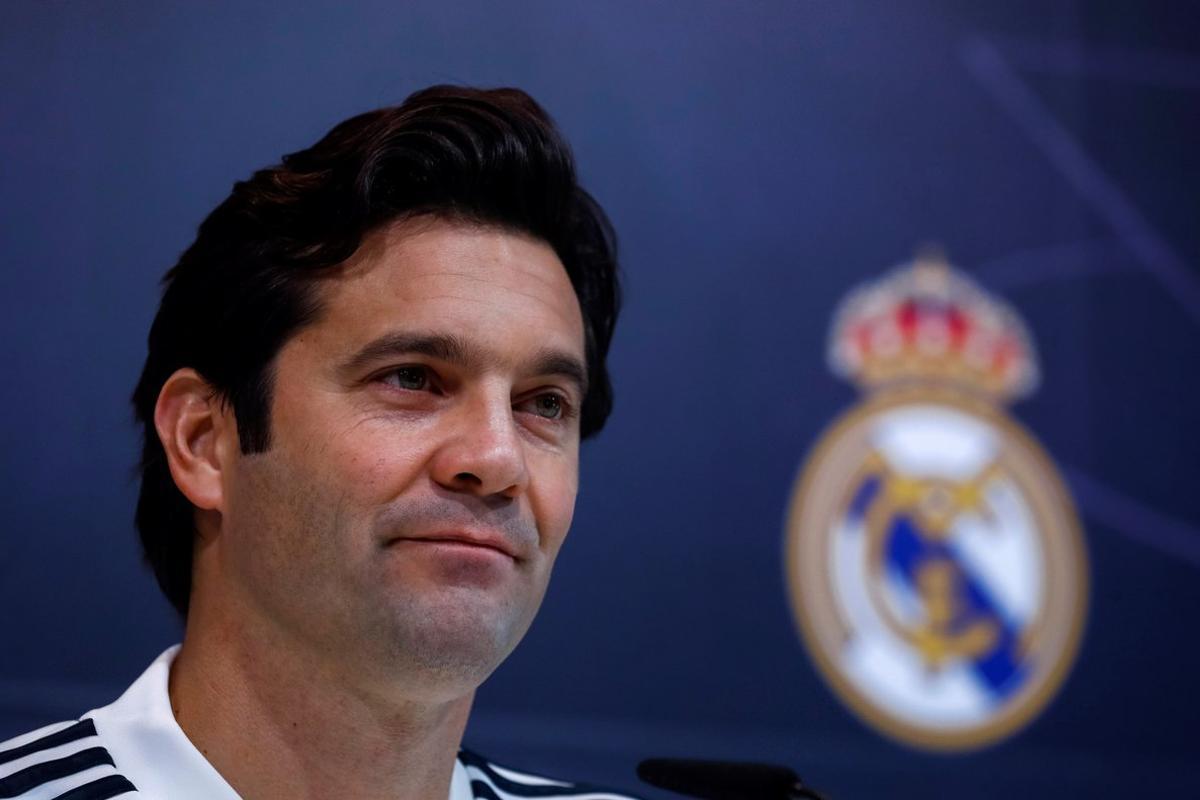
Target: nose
483	453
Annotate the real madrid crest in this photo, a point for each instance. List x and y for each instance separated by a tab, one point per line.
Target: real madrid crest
935	562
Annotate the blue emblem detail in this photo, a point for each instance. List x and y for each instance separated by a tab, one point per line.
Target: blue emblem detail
909	551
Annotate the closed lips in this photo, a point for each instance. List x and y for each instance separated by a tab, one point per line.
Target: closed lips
490	543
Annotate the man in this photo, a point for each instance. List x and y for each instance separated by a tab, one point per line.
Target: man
362	405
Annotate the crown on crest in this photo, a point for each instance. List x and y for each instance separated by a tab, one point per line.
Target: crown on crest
925	322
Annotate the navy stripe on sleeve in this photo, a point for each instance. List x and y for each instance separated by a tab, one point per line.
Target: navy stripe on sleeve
489	784
80	730
31	777
100	789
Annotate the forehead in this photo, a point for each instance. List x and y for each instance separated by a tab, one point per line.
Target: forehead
505	289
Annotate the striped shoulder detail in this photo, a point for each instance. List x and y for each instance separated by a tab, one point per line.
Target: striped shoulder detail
492	782
60	762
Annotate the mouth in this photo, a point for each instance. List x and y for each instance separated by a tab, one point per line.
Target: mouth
461	539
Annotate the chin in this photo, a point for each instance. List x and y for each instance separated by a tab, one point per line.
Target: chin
455	641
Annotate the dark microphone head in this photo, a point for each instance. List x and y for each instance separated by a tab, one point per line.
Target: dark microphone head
722	780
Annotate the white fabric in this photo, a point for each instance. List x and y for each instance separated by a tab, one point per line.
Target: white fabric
148	745
150	749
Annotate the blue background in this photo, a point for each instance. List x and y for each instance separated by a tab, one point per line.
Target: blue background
759	159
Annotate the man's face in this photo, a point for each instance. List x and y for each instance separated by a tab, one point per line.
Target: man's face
423	462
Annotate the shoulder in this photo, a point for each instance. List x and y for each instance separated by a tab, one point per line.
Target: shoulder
65	761
490	781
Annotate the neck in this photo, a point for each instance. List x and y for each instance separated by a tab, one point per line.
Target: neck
278	725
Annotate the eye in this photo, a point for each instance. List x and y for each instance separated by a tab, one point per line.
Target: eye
549	406
411	378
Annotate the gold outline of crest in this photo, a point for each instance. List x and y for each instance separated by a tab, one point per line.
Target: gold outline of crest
821	492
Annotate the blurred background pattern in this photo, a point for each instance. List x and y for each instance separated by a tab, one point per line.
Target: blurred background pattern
760	160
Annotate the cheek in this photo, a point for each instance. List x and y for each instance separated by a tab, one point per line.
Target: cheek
373	461
553	500
345	443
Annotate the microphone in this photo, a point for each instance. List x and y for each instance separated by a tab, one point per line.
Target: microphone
725	780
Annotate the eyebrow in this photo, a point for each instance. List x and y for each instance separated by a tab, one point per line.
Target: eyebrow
454	350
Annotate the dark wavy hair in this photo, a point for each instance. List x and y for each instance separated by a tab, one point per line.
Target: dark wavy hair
246	285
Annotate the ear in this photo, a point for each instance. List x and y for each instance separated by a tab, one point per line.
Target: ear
199	435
